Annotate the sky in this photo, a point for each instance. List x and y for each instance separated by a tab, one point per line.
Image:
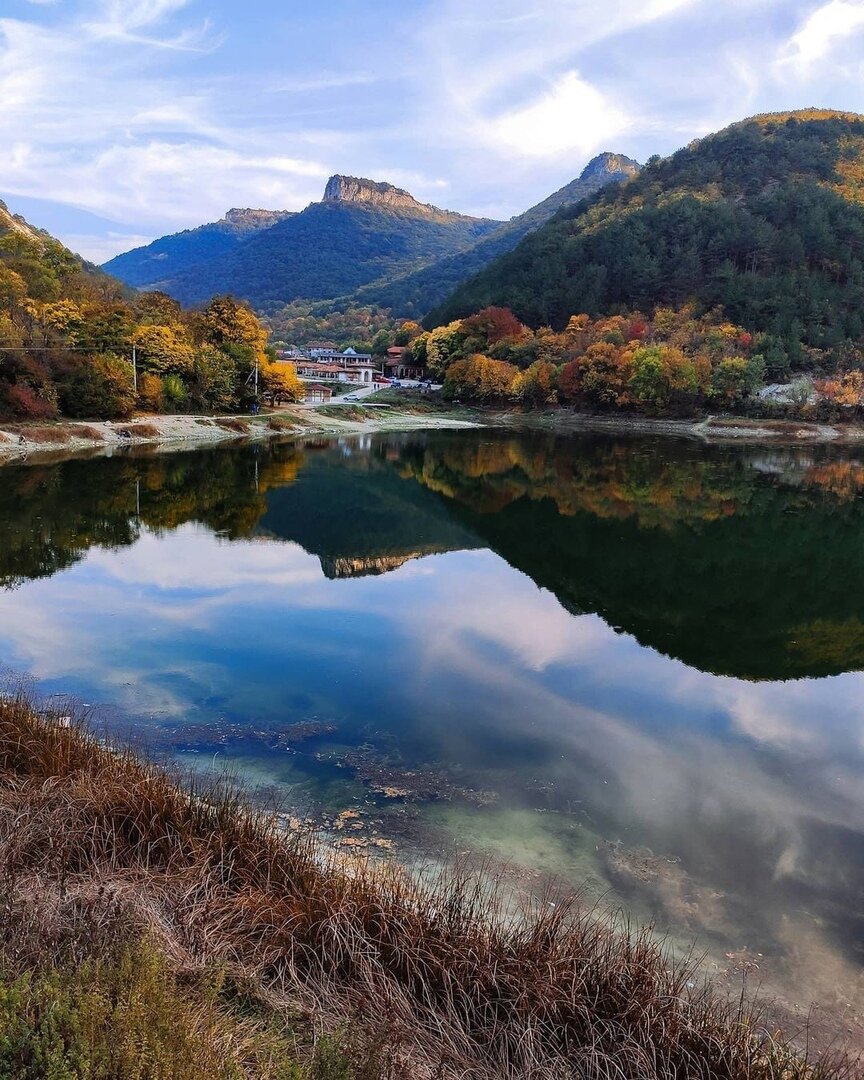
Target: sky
128	119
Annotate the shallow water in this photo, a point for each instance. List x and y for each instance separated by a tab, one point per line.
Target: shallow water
633	663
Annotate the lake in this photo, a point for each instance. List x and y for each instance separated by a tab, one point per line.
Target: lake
632	663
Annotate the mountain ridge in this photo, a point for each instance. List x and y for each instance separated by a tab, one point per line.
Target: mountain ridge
415	293
362	230
764	219
361	191
152	265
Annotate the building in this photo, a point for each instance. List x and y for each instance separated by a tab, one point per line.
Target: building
360	373
333	356
314	394
400	364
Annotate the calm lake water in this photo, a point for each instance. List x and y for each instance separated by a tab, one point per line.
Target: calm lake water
635	664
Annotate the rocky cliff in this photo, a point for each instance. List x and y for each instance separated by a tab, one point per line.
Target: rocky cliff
355	189
246	220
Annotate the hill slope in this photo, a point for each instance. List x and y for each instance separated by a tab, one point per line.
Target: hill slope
164	259
67	333
359	232
765	218
415	293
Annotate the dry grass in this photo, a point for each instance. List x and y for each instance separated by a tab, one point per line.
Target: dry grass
45	433
447	978
282	423
145	431
233	424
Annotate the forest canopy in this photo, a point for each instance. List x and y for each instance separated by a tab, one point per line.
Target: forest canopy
67	333
764	220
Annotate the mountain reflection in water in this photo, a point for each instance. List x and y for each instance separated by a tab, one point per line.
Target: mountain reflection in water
633	662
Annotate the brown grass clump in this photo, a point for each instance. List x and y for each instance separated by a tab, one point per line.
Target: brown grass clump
282	423
447	977
45	433
145	431
233	424
83	431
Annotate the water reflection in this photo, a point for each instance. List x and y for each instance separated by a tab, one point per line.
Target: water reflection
365	626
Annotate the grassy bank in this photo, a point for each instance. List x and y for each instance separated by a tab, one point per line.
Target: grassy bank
185	923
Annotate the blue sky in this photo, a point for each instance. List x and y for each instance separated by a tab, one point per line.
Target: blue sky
126	119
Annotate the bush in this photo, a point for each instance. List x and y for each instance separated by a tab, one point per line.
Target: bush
174	393
98	386
27	404
150	396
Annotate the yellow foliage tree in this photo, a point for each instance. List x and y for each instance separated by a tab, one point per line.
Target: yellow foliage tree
279	382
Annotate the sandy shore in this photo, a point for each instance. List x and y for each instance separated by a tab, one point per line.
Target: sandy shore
23	441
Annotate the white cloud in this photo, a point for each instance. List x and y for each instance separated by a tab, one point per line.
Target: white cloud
573	115
89	122
160	114
821	31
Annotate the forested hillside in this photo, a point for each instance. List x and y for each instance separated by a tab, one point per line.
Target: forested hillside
159	262
416	293
67	331
360	232
764	220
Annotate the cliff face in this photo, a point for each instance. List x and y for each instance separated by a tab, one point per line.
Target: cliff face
246	220
618	166
343	566
354	189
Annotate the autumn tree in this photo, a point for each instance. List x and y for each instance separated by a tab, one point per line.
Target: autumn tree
479	378
536	385
279	382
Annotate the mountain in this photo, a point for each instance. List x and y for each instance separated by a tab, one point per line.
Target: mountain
765	219
413	294
15	224
152	266
359	232
67	332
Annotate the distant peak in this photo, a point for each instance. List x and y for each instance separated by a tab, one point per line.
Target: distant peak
246	218
358	190
606	163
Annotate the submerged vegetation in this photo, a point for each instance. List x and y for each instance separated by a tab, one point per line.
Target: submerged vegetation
100	852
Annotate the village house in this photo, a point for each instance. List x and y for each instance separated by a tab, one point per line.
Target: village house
333	356
400	364
315	394
328	372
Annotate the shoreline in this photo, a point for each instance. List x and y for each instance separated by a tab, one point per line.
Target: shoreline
198	432
22	441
